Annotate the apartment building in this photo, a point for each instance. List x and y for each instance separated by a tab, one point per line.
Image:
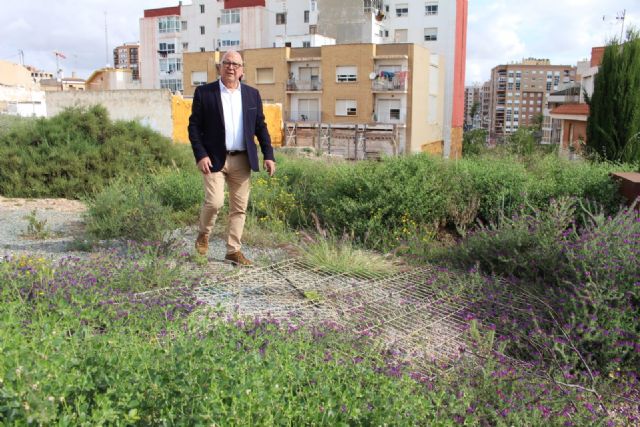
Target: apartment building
209	25
215	25
485	105
519	93
125	57
471	106
400	85
441	27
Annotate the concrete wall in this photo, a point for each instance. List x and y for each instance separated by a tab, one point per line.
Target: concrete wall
23	102
424	129
150	107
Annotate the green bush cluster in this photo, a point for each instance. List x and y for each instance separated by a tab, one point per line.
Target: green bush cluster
145	207
383	204
77	153
580	260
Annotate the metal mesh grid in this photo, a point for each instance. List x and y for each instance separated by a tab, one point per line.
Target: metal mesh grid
391	313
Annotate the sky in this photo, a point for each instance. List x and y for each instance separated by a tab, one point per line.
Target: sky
499	31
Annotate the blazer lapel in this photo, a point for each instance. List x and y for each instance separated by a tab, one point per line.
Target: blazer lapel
245	116
218	99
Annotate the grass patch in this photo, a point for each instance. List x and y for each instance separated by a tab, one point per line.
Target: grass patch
37	229
342	256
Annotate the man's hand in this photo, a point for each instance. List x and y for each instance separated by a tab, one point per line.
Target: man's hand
204	164
270	166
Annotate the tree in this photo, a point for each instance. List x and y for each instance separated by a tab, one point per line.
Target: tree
613	127
474	142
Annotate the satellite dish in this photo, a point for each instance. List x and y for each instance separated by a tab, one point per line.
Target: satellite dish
372	75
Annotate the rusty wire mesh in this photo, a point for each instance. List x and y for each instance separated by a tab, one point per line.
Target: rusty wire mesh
394	312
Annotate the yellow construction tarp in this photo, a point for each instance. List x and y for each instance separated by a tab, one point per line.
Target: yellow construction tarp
181	110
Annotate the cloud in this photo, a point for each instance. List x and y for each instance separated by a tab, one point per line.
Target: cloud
76	28
563	31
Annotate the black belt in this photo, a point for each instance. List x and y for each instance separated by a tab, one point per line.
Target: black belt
234	152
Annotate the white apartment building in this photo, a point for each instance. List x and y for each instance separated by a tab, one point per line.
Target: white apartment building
209	25
440	26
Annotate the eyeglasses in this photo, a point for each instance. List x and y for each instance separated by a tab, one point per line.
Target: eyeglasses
231	64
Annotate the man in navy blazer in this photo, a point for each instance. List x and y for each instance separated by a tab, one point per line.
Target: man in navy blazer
225	117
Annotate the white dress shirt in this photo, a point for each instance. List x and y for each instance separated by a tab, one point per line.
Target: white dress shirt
232	109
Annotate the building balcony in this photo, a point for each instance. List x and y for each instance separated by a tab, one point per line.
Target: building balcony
391	117
387	81
303	116
313	85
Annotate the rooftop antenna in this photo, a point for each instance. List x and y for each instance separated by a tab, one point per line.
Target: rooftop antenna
21	56
106	41
620	17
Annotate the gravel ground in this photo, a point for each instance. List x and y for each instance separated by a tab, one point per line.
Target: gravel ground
64	222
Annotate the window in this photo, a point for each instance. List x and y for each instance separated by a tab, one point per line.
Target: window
402	10
346	74
170	65
431	8
198	78
185	46
172	84
202	49
201	8
432	111
394	114
430	34
400	36
168	24
313	29
306	16
230	43
230	16
165	48
201	29
281	18
306	44
184	25
346	107
264	75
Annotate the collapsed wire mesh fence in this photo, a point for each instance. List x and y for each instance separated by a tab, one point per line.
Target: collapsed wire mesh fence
408	313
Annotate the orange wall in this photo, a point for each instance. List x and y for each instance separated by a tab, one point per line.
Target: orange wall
457	119
579	132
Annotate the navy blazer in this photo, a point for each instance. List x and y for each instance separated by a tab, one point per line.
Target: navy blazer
206	126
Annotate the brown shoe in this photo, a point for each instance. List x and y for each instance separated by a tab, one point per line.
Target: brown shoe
202	243
237	258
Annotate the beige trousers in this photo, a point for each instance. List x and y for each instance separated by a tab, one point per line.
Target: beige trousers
236	173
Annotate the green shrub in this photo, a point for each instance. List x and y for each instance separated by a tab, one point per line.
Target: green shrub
389	203
77	152
179	189
130	210
589	275
474	142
